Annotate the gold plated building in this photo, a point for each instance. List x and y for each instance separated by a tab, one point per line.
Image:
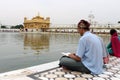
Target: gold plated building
37	23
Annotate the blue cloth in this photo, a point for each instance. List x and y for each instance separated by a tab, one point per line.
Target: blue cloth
90	51
109	48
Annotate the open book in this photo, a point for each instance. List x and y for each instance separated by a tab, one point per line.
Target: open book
66	53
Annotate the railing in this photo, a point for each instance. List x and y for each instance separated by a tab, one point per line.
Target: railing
9	30
98	29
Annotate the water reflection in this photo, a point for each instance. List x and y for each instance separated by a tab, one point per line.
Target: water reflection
20	50
36	42
45	43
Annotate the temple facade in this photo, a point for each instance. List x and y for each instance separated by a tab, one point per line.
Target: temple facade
37	23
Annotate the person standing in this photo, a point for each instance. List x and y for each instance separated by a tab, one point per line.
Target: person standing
89	57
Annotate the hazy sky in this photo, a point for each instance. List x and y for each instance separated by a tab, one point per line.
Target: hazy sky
12	12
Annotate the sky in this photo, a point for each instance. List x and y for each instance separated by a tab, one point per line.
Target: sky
12	12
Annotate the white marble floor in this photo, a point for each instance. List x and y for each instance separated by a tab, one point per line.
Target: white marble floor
51	71
21	74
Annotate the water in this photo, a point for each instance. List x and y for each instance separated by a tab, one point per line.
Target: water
21	50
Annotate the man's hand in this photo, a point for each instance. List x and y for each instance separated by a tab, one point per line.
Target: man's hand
73	56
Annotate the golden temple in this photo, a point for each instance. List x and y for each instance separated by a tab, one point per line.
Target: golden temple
37	23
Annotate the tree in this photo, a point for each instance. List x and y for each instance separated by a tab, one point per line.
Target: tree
118	22
12	27
3	26
17	26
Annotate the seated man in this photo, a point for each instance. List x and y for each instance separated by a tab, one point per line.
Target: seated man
90	55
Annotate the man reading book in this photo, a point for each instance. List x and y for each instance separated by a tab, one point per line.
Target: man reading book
90	55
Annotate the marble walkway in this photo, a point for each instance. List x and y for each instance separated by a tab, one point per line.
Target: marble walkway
51	71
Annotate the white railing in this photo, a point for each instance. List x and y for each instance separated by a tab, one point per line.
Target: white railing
9	30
